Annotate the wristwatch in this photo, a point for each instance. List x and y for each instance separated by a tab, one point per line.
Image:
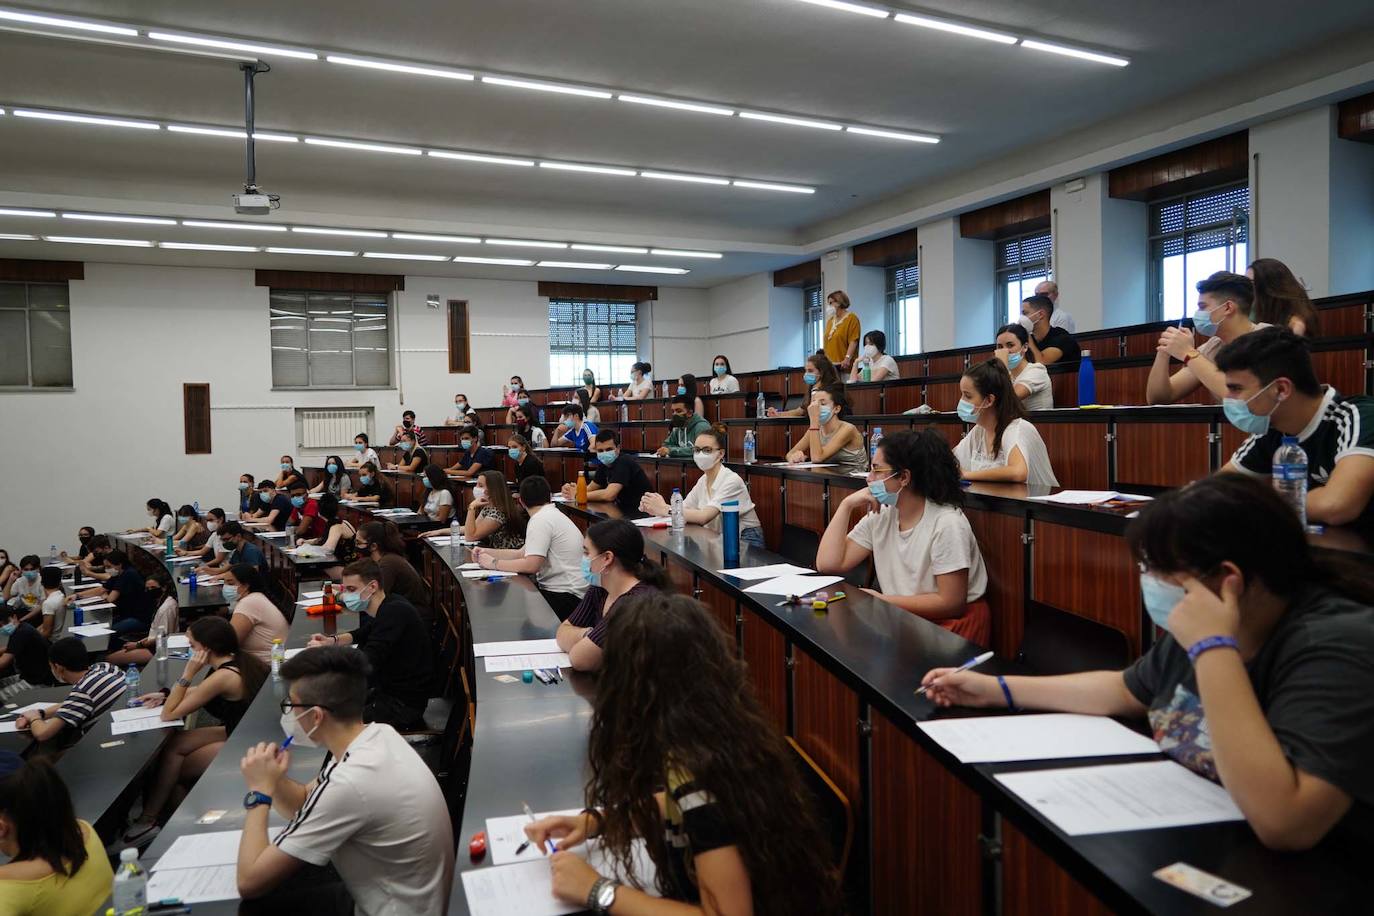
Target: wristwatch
253	799
1190	356
601	897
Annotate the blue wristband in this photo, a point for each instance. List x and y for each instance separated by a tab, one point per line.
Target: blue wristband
1006	692
1211	642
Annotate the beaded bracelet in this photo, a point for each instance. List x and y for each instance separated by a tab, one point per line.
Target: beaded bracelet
1211	642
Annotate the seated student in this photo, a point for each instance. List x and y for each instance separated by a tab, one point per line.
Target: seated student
93	566
1223	314
521	451
615	567
1272	392
414	457
687	385
1280	298
881	367
526	426
338	537
305	518
191	533
618	478
717	485
494	517
83	537
335	477
26	591
1002	446
232	678
687	425
589	410
818	373
133	612
208	545
95	687
641	387
381	541
438	505
375	812
246	496
589	387
370	490
289	475
911	524
8	573
473	458
52	621
510	394
238	549
516	398
552	551
257	622
831	439
274	509
1030	380
723	380
575	432
408	424
396	643
363	452
734	820
167	616
1049	343
57	863
461	409
1262	682
164	523
25	656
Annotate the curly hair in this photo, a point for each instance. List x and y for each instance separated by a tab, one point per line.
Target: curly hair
934	469
673	696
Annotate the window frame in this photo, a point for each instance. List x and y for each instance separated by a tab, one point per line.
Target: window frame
370	298
27	310
1155	278
813	320
893	296
1001	276
459	337
585	353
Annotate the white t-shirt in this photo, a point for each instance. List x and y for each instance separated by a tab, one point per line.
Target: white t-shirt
366	455
907	562
166	616
1037	378
972	453
166	525
537	437
55	606
1061	319
594	415
378	816
724	384
729	485
213	544
552	535
881	361
26	593
436	499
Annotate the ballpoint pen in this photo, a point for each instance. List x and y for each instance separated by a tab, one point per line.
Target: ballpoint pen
529	814
971	663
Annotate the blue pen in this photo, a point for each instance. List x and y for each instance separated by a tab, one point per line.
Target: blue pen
971	663
285	744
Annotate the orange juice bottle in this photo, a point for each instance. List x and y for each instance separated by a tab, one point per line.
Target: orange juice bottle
581	488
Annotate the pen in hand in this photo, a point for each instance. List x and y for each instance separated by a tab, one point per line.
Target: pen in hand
971	663
529	814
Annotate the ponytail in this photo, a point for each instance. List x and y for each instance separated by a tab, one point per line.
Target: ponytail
651	574
626	544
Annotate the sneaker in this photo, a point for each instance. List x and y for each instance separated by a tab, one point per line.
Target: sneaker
140	833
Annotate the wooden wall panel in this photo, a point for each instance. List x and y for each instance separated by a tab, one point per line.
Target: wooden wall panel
732	408
889	251
1034	884
806	274
999	541
1121	384
770	383
864	399
1193	168
1078	454
1162	454
25	270
806	505
735	449
1010	217
826	725
1101	347
320	281
1342	369
765	653
1355	119
1064	389
949	364
195	403
604	292
1344	321
1087	573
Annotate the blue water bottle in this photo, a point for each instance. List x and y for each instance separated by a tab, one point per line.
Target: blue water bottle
1087	380
729	531
191	583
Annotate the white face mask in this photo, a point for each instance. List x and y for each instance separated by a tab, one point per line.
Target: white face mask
292	728
871	351
829	310
212	526
706	462
479	493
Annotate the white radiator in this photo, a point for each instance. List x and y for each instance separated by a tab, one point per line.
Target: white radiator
331	428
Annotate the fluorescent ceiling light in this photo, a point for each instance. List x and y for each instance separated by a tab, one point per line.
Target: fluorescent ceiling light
508	262
233	45
361	233
197	246
82	240
414	69
84	119
229	132
62	22
112	218
327	252
13	211
594	169
420	237
478	157
280	138
787	119
617	249
15	237
366	147
676	253
404	257
547	87
527	243
574	265
859	8
772	186
216	224
1081	54
639	269
697	179
680	106
956	28
893	134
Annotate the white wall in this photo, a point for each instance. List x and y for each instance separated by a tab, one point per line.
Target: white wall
1100	254
1291	194
865	286
1352	216
678	339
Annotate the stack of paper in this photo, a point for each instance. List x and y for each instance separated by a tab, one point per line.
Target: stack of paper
652	521
90	629
1089	497
793	585
499	663
198	868
526	887
9	726
487	574
178	641
801	464
766	572
140	719
516	647
1053	736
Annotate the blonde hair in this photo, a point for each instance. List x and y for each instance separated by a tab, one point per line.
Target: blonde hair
840	298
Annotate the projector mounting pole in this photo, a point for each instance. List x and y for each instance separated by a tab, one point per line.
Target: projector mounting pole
250	179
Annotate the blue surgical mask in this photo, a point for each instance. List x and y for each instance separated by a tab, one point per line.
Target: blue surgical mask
265	496
407	446
298	501
681	389
514	454
183	519
607	457
1160	598
354	601
809	378
524	401
593	578
826	413
8	628
568	422
358	447
881	493
230	592
428	485
465	444
365	479
1202	321
1238	412
1013	360
332	468
243	486
967	412
31	575
285	466
721	370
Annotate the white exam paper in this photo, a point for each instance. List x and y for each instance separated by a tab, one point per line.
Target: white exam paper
793	585
149	724
197	850
801	464
487	573
1088	497
652	521
997	739
10	726
178	641
498	663
195	885
516	647
90	629
526	888
505	834
766	572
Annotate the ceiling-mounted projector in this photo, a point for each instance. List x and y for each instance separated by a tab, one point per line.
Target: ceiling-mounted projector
254	204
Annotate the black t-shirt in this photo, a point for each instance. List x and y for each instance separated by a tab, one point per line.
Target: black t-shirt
417	452
634	483
478	455
30	651
376	489
282	506
530	467
398	646
134	600
1062	340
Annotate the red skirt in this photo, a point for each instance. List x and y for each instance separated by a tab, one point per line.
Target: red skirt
975	625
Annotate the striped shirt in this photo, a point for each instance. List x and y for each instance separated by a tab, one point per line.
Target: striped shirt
96	692
693	824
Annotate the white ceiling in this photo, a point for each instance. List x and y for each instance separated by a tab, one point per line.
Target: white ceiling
986	101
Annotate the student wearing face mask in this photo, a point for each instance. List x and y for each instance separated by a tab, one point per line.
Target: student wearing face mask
575	431
818	373
1002	446
473	458
339	536
525	425
722	379
873	356
190	534
1049	344
521	401
687	385
618	478
382	542
52	620
363	452
687	425
641	387
305	518
83	537
841	332
1272	393
911	524
414	457
438	505
410	425
335	477
234	539
830	439
521	453
255	619
246	495
1030	380
461	409
590	387
8	573
552	551
25	656
614	564
288	474
208	544
164	522
167	616
1262	681
274	509
1223	315
26	591
494	517
369	490
93	566
511	394
717	486
589	410
133	612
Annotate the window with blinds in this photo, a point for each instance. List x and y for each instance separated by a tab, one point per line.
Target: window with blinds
1021	263
330	340
584	334
904	309
813	320
35	336
1192	237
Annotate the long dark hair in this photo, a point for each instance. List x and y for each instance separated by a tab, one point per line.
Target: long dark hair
385	536
991	379
931	462
1231	517
689	382
249	577
161	506
498	494
725	359
36	799
1279	296
626	544
329	507
338	462
673	697
438	480
1015	330
826	373
217	635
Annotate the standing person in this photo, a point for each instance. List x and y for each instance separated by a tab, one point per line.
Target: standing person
641	386
1002	446
521	452
687	424
717	486
618	477
1048	344
723	380
1030	380
1280	298
818	373
1224	303
575	432
363	452
552	551
335	478
95	687
717	797
590	387
494	517
257	622
375	812
1060	319
615	567
881	367
841	333
829	438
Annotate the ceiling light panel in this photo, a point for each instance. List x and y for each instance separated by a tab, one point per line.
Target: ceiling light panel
695	179
398	67
364	147
448	239
527	243
773	186
397	256
892	134
230	133
506	262
613	249
790	120
479	157
862	9
361	233
218	224
76	118
86	240
199	246
541	86
1069	51
678	253
323	252
674	104
63	22
575	265
642	269
956	28
116	218
230	44
592	169
21	211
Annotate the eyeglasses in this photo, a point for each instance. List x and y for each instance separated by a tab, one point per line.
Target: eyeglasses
284	705
705	450
880	469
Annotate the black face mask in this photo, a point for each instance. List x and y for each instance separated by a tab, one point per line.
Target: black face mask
407	423
84	539
679	422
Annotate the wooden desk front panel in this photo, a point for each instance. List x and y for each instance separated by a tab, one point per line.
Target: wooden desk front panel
942	395
1101	347
735	450
1004	555
722	607
1162	454
764	651
1121	384
1087	573
670	476
1231	439
769	381
553	470
1342	369
825	722
1064	389
1078	454
766	492
571	465
632	438
731	408
772	441
805	505
681	575
901	398
1344	321
952	364
1034	884
864	400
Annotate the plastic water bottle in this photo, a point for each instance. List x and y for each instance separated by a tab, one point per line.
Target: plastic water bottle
133	682
52	555
192	583
196	505
278	656
750	447
1087	380
290	535
761	405
1290	475
170	548
624	412
675	510
160	641
665	389
130	890
455	534
874	439
541	416
866	374
729	532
